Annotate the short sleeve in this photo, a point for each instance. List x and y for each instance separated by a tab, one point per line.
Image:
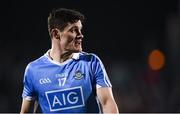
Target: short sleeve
28	90
101	77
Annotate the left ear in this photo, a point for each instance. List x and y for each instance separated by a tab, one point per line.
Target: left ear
55	33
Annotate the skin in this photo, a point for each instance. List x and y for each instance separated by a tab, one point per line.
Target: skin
107	101
64	44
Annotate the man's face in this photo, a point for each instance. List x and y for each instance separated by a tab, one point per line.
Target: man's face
71	37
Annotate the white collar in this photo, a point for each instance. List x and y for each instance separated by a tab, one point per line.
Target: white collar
75	56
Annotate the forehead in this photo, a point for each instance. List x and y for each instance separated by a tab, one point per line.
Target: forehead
77	24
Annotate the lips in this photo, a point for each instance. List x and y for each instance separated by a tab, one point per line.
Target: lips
78	42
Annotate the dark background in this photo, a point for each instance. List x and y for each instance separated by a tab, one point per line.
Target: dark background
121	33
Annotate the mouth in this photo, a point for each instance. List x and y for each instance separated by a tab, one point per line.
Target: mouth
78	42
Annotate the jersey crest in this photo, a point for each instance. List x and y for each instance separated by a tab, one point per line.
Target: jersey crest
79	75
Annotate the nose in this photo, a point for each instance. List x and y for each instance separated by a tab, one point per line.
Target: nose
80	35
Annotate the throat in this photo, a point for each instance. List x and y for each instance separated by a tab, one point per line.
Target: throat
65	57
60	57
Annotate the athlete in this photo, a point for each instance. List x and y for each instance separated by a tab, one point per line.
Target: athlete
65	79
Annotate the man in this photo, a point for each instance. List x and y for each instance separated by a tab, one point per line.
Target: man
66	79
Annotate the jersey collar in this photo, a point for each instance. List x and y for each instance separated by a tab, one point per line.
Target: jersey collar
75	55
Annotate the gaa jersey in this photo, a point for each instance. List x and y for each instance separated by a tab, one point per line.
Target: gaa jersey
68	87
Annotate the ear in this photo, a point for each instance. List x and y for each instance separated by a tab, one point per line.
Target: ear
55	33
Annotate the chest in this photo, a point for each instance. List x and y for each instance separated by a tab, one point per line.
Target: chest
62	88
62	78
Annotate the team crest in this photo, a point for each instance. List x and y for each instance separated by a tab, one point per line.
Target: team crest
78	75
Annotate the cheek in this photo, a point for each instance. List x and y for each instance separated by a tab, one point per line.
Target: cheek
70	38
67	40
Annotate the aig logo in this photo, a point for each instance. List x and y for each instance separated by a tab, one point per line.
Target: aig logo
44	81
65	99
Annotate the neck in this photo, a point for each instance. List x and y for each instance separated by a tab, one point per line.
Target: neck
59	56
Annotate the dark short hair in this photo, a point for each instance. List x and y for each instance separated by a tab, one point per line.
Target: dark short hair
59	18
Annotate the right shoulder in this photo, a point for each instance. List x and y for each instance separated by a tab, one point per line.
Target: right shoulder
37	62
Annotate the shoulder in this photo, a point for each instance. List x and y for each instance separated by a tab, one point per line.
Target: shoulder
88	56
37	62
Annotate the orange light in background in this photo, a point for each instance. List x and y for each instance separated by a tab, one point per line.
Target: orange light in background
156	59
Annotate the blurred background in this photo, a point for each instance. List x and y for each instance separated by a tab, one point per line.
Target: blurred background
137	40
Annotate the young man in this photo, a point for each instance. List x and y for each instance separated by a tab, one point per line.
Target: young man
66	79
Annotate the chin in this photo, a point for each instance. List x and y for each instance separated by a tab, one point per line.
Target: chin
76	50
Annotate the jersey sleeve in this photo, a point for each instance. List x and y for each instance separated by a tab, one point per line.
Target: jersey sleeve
28	90
101	77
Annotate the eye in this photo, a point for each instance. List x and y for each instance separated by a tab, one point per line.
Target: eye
73	30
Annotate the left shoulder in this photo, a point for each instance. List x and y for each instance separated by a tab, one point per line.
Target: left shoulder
88	56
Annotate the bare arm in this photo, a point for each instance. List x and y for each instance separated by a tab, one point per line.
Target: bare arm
35	106
25	107
107	101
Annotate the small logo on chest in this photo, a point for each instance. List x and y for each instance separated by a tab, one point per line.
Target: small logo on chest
78	75
44	81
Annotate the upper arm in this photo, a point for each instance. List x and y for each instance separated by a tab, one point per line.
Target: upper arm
106	99
99	72
104	95
103	87
25	107
28	93
28	89
29	106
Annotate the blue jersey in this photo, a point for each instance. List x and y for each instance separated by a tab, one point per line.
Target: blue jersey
65	87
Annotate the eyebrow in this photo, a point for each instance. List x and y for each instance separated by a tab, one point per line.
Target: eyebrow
76	27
